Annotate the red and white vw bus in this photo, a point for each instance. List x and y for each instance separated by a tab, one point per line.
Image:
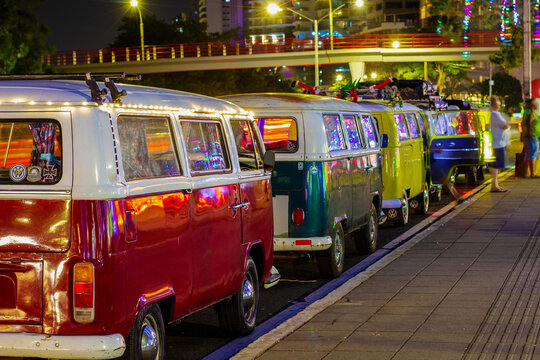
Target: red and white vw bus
122	212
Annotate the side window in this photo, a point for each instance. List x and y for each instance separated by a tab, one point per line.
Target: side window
30	152
413	127
279	134
370	131
401	126
249	150
354	137
147	147
334	133
205	146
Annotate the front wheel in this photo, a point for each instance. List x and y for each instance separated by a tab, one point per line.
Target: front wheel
238	314
332	261
365	239
146	340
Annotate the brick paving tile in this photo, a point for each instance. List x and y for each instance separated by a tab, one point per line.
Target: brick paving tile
407	299
430	350
340	325
441	323
374	341
292	354
405	310
436	337
354	355
312	341
383	322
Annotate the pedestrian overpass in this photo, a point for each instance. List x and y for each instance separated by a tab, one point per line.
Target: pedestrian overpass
353	49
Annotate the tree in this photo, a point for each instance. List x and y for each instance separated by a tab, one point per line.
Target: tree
507	87
22	39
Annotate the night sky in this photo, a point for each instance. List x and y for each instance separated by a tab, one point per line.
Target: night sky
92	24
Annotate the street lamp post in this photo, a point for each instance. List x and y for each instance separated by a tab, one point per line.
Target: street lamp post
331	18
273	9
135	4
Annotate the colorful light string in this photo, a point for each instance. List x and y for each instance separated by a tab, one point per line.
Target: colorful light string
466	21
536	24
504	35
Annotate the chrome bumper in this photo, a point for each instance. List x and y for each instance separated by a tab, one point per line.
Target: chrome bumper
297	244
62	346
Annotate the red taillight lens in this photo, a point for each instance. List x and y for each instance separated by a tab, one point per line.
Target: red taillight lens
298	217
83	292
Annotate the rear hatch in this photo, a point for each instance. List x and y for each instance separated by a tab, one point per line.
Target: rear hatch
35	208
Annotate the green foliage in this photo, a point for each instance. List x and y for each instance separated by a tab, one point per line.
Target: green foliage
510	56
507	87
220	82
22	39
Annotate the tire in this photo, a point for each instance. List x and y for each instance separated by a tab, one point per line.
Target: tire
471	175
436	196
237	315
423	200
146	340
365	239
402	218
332	260
480	173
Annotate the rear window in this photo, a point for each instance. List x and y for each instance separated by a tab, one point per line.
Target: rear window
249	151
147	147
369	130
334	133
399	119
279	134
354	137
205	147
456	123
30	152
413	127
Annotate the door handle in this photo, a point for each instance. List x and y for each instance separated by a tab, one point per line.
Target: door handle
244	205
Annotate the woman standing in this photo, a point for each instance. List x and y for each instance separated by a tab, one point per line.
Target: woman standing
530	133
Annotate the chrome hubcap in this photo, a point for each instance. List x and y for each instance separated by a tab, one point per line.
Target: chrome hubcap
372	228
339	249
405	208
426	197
248	298
149	339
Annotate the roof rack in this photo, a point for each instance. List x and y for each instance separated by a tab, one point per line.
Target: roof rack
90	79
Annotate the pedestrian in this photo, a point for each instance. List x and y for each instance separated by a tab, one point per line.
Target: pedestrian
499	133
530	132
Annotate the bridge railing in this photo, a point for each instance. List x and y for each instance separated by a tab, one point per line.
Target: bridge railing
239	47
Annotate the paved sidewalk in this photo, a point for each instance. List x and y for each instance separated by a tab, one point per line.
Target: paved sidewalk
469	289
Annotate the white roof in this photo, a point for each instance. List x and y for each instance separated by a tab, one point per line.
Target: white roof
77	92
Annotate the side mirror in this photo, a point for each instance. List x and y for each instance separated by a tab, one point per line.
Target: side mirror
384	141
269	160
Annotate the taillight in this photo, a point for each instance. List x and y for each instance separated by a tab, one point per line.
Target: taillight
83	292
298	217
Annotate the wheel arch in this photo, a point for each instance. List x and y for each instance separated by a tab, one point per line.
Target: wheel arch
256	252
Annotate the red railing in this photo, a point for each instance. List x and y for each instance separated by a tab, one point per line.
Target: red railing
239	47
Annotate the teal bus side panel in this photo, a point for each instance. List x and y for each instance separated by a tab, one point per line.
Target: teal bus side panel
287	176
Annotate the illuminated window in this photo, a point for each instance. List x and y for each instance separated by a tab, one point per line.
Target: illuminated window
334	134
147	147
456	123
413	126
249	151
205	146
401	126
279	134
30	152
354	137
370	131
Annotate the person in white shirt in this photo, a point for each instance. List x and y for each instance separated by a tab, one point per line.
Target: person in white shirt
499	135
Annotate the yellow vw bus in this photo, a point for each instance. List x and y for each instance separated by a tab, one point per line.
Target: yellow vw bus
406	181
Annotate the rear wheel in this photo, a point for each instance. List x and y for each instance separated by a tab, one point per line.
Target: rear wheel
365	239
402	217
332	261
238	314
437	194
146	340
420	203
471	175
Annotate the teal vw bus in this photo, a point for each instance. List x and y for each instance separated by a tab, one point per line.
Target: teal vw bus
327	181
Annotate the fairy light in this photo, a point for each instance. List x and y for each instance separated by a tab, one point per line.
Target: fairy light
504	35
466	21
536	25
439	25
515	13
